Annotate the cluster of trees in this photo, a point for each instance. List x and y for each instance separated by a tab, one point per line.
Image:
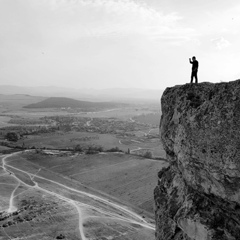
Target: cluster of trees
88	150
12	136
115	149
95	149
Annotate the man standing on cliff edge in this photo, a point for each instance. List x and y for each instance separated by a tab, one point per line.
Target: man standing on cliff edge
194	63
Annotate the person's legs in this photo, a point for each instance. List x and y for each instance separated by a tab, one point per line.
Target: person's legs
196	78
194	75
191	78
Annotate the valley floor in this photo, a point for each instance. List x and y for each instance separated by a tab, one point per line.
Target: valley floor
60	196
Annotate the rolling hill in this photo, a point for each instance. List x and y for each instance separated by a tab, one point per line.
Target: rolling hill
62	102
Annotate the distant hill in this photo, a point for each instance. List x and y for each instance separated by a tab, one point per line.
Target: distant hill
62	102
17	101
116	94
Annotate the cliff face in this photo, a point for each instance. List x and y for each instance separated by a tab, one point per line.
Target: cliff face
198	195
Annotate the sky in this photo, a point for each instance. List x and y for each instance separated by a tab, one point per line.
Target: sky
117	43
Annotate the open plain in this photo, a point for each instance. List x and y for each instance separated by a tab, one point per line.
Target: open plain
78	175
41	200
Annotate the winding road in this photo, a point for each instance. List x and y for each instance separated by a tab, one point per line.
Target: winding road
84	202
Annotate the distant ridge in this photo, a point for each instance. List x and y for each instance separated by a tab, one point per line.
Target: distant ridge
122	94
63	102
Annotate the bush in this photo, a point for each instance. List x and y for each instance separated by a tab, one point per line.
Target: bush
12	136
78	148
148	154
116	149
91	152
99	148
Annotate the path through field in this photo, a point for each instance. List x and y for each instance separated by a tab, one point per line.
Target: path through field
98	217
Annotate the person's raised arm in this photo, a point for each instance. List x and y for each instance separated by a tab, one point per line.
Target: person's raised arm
190	60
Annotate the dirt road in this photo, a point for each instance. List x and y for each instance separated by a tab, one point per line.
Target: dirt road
90	207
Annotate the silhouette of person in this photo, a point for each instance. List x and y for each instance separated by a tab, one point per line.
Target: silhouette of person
194	63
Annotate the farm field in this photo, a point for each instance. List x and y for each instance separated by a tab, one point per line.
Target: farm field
4	148
128	178
4	121
14	107
41	203
70	139
121	113
107	141
49	193
149	118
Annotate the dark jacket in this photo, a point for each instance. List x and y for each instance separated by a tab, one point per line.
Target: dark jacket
194	65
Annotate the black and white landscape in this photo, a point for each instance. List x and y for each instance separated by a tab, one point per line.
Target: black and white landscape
81	153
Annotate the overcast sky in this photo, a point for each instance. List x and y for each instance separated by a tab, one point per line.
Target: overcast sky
117	43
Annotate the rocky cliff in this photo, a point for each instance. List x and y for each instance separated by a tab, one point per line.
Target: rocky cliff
198	195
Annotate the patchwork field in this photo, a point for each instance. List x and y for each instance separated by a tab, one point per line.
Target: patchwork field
51	194
4	121
54	195
70	139
121	113
148	118
128	178
107	141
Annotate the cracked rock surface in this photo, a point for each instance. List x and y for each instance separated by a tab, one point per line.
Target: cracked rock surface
198	195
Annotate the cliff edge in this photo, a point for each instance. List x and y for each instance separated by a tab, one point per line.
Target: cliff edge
198	195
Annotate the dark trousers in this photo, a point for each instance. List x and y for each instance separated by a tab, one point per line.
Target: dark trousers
194	75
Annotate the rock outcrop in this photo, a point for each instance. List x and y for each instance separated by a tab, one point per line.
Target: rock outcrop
198	195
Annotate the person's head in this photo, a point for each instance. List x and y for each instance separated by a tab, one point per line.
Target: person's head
193	58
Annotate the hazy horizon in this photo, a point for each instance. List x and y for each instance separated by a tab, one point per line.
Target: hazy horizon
85	44
87	93
87	88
